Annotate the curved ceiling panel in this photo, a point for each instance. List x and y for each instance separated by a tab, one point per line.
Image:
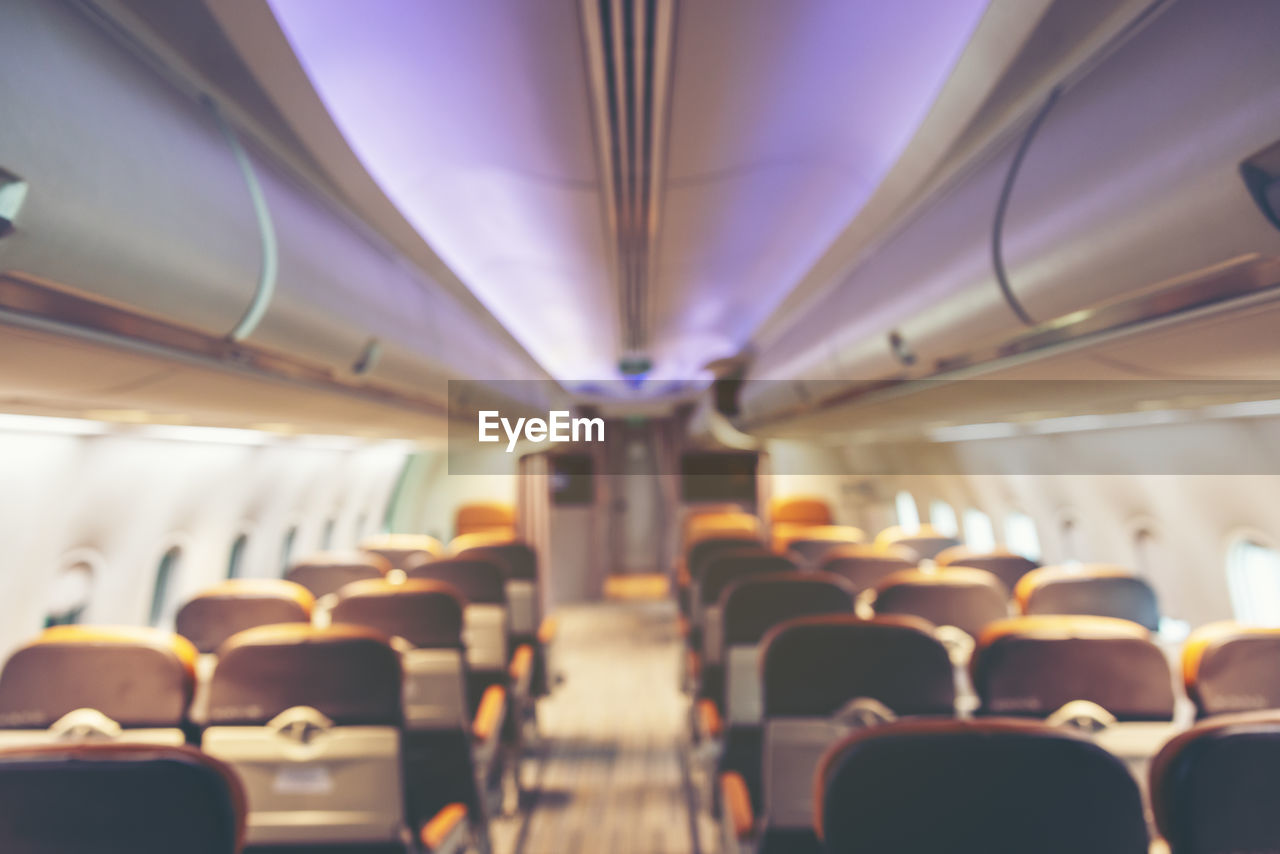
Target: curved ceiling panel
475	119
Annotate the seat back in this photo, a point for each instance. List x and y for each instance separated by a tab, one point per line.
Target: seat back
999	787
478	581
721	571
138	680
1229	668
1103	591
696	515
485	517
310	718
817	675
118	799
329	572
401	550
1033	666
519	562
863	566
751	608
211	617
968	599
1214	788
430	616
737	523
812	542
1004	565
800	510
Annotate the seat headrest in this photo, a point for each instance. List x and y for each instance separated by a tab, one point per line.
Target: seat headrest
401	549
702	554
1032	666
991	786
864	566
426	613
329	572
485	516
968	599
1005	565
814	666
737	524
242	603
724	568
138	677
754	605
1100	590
480	539
800	510
117	798
1229	668
924	542
812	542
350	674
1214	787
478	580
518	560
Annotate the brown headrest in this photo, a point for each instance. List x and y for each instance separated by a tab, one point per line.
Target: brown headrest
727	567
480	539
118	799
1101	590
242	603
814	666
1228	668
401	549
801	510
138	677
518	560
1214	788
1005	565
722	525
477	580
863	566
968	599
1032	666
329	572
348	673
700	555
812	542
754	605
981	786
483	516
426	613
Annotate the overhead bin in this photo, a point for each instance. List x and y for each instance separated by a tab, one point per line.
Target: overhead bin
141	197
1130	186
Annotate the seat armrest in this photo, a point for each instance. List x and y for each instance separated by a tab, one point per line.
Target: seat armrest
737	821
521	670
447	832
710	724
547	631
489	715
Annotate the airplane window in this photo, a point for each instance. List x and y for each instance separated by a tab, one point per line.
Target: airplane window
235	560
1253	576
942	516
1144	546
1070	541
1021	537
326	538
979	533
360	520
286	548
71	593
163	594
908	513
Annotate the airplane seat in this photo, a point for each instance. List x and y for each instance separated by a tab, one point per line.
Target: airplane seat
215	614
1103	591
823	676
1101	675
788	516
968	599
400	550
1214	787
695	515
863	566
485	517
326	573
90	683
311	720
697	558
447	757
118	799
1229	668
999	787
1003	564
925	543
720	572
707	536
810	544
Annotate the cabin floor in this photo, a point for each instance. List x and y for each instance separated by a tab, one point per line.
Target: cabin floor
612	771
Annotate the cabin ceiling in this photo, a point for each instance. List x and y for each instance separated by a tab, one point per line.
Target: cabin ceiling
643	180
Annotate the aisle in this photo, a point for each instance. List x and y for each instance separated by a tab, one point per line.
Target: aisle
611	779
